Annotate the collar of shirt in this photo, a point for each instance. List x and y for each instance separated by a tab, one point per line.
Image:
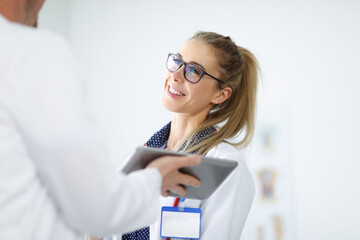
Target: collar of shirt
160	138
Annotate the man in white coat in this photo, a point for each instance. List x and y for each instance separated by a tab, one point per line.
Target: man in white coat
55	179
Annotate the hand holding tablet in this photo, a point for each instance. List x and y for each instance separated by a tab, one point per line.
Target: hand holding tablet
211	172
172	179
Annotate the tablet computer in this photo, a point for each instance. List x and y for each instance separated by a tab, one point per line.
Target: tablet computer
211	172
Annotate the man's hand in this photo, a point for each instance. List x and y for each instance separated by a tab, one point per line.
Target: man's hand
173	179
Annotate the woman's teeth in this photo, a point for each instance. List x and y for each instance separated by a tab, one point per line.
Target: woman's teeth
173	91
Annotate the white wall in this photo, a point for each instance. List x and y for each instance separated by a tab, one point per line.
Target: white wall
309	53
55	16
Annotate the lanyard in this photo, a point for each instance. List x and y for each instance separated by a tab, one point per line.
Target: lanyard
176	202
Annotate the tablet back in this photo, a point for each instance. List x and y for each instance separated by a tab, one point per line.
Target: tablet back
211	172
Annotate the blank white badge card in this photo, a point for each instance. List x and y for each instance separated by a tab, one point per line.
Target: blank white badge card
180	223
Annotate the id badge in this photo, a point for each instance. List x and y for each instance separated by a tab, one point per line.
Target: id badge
180	222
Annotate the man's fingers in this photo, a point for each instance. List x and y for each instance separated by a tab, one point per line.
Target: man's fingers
167	164
177	189
165	193
186	179
174	180
191	160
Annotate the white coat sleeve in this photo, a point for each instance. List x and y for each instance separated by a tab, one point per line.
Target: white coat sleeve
225	212
48	108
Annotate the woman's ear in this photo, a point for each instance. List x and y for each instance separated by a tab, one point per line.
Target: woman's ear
222	96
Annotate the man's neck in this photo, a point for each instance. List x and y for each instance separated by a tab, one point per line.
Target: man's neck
15	11
12	11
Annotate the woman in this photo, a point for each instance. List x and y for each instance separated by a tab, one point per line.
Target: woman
211	88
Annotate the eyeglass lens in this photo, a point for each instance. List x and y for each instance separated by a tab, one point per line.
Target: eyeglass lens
192	72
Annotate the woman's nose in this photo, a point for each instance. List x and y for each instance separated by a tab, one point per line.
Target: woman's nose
178	76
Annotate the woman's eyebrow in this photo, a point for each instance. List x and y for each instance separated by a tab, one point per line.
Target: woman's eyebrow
197	64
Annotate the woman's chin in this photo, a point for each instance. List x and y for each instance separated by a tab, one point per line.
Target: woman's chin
167	106
170	107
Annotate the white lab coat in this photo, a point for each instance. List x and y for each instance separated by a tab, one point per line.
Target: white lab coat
224	213
55	179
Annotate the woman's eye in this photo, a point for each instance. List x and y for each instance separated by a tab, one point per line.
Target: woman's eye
195	71
177	61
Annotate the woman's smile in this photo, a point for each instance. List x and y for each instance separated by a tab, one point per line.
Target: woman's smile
174	92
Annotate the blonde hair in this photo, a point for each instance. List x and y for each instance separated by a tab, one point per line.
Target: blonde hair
239	71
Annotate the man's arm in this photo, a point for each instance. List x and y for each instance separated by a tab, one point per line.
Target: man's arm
68	153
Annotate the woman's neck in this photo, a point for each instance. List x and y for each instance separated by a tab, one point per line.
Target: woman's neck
181	126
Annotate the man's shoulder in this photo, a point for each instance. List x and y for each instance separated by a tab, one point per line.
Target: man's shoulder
19	36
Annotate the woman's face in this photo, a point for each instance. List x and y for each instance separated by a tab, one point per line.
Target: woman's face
182	96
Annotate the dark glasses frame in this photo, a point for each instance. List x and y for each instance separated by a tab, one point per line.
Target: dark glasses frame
189	64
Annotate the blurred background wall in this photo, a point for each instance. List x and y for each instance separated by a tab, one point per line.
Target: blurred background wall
309	54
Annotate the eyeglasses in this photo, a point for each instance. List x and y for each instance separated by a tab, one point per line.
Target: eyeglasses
192	72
